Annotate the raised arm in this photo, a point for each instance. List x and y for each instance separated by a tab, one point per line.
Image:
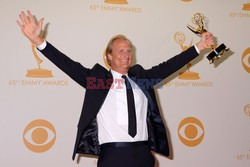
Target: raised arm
170	66
30	28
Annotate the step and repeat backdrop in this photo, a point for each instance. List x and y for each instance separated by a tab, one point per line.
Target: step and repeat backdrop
206	106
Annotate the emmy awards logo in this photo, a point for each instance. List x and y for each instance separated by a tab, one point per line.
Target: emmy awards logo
246	6
116	1
216	53
38	72
180	39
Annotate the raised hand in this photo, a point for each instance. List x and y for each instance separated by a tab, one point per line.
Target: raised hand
207	40
30	28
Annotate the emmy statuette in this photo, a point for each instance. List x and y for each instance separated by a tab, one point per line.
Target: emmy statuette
217	52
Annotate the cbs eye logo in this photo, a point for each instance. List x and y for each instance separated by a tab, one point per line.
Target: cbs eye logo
245	60
191	131
39	135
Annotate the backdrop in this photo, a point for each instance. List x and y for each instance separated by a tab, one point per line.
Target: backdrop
206	106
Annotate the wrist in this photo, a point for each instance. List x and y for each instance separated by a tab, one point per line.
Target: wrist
37	41
200	45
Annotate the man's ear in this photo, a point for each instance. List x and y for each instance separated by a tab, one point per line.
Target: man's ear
109	57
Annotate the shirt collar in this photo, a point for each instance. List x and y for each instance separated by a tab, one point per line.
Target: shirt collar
117	75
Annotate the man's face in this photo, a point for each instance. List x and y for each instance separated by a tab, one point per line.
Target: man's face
121	56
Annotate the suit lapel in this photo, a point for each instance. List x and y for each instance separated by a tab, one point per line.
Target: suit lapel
143	88
94	100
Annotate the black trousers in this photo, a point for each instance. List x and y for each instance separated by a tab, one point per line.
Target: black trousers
125	154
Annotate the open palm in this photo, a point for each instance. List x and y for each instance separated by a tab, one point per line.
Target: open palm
30	28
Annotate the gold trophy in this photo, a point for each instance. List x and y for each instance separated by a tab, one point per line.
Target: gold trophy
216	53
38	72
116	1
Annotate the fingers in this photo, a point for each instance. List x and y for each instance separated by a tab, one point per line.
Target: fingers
20	24
24	18
39	27
208	39
30	17
206	35
40	23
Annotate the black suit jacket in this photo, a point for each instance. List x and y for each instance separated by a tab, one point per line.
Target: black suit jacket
87	134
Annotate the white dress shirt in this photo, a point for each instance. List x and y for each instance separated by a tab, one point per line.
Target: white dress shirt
112	118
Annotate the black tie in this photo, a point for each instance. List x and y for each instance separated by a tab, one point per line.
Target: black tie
131	108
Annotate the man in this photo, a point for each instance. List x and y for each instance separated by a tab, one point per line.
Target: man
119	124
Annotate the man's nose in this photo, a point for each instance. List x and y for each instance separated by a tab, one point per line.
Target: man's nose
126	54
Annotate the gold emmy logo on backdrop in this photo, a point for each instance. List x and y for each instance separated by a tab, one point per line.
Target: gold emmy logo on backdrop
39	135
191	131
180	38
247	109
116	1
216	53
245	60
38	72
187	0
246	6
